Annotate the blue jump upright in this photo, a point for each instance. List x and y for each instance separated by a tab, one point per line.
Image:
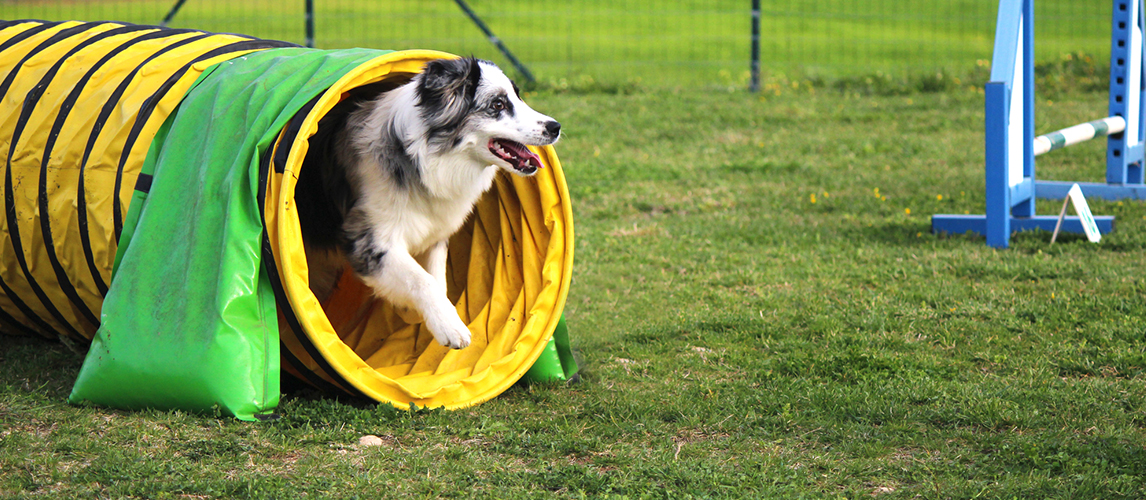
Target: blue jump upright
1009	126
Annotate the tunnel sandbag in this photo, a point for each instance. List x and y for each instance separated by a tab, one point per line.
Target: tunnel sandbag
556	363
197	324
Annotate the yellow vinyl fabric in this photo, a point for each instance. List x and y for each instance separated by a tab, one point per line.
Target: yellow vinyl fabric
79	103
79	106
509	272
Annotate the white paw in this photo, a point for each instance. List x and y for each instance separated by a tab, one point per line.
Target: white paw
449	330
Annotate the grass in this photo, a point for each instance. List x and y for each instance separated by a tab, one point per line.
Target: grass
759	309
758	304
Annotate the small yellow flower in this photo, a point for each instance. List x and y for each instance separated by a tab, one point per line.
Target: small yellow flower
812	197
907	211
826	194
939	197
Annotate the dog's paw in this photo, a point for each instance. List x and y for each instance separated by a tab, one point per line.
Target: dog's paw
449	330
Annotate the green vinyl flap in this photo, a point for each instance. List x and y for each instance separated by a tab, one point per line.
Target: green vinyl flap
189	321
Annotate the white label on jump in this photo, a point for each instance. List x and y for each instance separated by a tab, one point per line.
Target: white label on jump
1084	215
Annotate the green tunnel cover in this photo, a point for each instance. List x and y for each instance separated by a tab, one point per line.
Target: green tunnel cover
190	321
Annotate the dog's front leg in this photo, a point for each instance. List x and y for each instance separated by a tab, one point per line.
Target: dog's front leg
400	279
434	261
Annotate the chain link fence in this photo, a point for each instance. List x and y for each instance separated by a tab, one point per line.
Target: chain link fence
670	43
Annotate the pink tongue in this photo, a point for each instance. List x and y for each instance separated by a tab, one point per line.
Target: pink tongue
522	156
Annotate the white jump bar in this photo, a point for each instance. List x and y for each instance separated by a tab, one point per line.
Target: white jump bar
1079	133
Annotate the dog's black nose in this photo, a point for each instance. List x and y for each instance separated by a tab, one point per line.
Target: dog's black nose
552	128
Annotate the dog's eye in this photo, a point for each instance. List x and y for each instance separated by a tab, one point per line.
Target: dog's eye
499	104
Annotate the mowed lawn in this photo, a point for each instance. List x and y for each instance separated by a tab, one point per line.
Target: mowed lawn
758	305
760	311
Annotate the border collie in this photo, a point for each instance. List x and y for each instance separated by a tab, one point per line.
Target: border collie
391	176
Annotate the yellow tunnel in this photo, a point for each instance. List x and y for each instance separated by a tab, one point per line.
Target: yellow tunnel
80	105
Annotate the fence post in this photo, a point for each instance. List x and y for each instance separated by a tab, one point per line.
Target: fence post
310	23
755	85
495	41
171	14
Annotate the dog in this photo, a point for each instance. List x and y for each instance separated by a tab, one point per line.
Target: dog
393	172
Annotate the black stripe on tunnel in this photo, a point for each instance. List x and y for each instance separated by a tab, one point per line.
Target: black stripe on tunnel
23	35
149	104
291	133
30	102
97	126
265	164
9	324
143	183
9	196
26	311
65	109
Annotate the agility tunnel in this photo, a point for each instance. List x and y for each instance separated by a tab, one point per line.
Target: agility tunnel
149	210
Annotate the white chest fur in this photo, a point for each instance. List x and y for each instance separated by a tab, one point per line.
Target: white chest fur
416	219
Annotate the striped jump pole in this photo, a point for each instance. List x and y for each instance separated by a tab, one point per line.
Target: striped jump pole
1079	133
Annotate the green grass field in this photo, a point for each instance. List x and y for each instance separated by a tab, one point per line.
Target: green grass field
759	310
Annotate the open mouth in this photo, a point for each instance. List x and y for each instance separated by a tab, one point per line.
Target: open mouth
516	154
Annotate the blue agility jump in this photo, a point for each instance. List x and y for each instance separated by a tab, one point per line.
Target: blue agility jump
1011	145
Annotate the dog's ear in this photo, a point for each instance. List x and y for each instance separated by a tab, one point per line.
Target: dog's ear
451	78
446	91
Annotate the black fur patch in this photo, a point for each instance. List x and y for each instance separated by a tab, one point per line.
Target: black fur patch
446	93
500	105
359	247
398	161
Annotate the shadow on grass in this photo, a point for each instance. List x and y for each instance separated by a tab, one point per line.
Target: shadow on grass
49	368
38	365
901	233
1033	242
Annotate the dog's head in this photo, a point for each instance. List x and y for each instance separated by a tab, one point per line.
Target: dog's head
470	105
